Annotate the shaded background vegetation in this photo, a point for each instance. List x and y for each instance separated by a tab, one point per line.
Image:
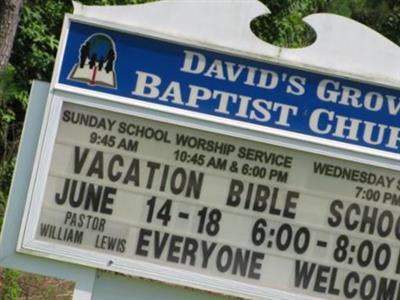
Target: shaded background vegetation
33	56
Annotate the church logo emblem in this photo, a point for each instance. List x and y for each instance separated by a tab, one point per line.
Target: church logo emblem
96	66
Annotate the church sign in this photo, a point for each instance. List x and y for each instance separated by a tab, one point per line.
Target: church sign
186	164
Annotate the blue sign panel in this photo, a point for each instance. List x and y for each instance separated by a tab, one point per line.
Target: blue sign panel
206	82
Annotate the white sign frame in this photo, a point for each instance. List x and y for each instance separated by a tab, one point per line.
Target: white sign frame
60	93
29	245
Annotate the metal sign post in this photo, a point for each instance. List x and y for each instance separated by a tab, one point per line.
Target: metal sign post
178	156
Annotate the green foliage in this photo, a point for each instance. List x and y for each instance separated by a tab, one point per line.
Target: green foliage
9	132
114	2
284	26
6	170
11	289
392	24
37	40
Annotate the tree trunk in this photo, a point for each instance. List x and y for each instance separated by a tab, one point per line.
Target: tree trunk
9	18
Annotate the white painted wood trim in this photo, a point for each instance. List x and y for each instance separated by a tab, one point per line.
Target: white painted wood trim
357	50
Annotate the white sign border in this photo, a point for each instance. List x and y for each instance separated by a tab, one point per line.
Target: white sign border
27	244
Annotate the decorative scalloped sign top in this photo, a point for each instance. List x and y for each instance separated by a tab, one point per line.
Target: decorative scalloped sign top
354	48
